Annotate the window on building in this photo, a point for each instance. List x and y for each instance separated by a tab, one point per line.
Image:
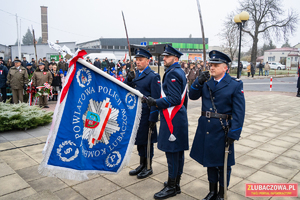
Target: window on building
296	59
122	47
110	47
271	59
292	59
104	47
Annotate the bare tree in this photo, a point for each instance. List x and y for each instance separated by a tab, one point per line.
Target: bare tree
267	19
230	36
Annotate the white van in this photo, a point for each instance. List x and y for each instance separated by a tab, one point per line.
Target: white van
101	56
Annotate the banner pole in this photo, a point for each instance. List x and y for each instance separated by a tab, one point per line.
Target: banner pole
113	79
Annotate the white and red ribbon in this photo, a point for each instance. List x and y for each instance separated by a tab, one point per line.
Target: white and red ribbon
169	113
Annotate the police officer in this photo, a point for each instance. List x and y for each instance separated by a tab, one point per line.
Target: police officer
223	111
148	83
173	132
17	79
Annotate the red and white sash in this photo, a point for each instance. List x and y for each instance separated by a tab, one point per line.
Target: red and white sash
169	113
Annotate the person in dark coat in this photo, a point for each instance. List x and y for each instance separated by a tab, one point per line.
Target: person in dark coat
148	83
30	70
128	66
62	65
111	65
226	93
33	64
253	68
104	64
3	79
56	81
240	69
173	131
24	62
9	64
97	63
119	66
298	82
45	61
3	62
260	67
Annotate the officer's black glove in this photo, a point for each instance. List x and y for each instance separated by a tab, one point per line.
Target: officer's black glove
203	76
229	141
151	125
130	76
25	87
149	100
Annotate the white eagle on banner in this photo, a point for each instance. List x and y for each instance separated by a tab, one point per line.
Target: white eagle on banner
100	122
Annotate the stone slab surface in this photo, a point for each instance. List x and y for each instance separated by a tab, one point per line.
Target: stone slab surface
267	152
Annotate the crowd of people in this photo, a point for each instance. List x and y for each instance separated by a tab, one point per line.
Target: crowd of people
23	75
17	74
192	69
118	70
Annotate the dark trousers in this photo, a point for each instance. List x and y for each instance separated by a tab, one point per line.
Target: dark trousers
3	92
175	163
142	149
216	174
248	74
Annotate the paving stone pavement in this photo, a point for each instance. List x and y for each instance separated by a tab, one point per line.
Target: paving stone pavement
267	152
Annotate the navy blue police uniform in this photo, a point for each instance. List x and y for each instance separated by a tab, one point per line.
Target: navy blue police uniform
174	90
209	142
148	83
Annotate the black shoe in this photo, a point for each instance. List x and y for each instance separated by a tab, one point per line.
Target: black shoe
220	195
213	191
145	172
139	168
46	106
168	191
178	190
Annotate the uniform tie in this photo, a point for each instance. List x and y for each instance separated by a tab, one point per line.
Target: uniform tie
216	83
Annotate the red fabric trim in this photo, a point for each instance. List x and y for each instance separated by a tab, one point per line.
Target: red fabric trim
72	62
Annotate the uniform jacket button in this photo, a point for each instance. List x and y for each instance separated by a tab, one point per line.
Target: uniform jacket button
208	120
207	132
210	109
213	97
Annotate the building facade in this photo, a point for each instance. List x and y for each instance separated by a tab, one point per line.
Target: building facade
119	47
43	50
281	55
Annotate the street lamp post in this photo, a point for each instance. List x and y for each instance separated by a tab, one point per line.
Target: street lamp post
240	20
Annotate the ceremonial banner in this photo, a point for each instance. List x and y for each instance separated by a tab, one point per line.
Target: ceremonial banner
94	124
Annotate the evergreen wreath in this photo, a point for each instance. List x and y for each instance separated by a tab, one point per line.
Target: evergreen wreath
22	116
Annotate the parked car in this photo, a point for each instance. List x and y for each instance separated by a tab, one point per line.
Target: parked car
276	65
234	64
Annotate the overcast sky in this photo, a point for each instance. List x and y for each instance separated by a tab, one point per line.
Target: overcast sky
80	21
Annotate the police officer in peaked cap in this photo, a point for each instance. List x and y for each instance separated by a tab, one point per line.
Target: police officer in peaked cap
148	83
173	131
220	123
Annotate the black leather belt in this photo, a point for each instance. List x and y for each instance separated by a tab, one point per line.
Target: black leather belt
208	114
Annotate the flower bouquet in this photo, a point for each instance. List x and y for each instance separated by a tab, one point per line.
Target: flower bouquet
44	90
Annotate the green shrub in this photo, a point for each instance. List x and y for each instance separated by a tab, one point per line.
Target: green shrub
22	116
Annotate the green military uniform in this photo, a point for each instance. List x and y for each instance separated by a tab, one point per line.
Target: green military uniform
17	78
